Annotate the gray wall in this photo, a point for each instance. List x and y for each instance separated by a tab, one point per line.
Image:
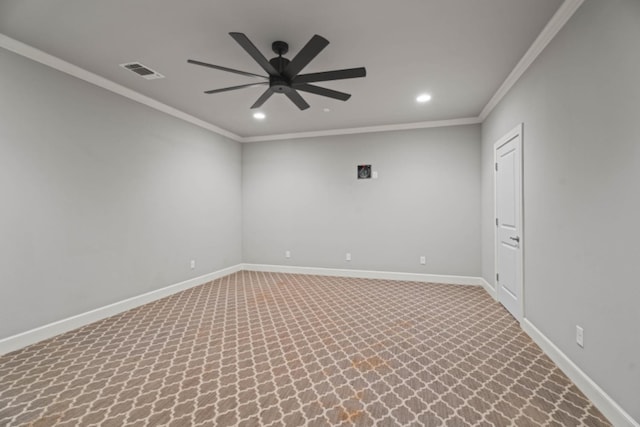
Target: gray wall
580	105
103	198
303	196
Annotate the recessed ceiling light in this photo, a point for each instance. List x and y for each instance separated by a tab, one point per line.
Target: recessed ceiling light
425	97
326	110
259	116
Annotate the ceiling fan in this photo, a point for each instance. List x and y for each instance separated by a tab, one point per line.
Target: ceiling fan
283	74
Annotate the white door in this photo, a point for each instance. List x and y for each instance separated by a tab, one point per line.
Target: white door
508	215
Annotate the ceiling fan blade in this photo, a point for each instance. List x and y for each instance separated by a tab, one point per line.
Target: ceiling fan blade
263	98
295	97
349	73
255	53
226	89
219	67
322	91
306	54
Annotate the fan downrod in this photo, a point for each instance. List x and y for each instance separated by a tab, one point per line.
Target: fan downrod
279	83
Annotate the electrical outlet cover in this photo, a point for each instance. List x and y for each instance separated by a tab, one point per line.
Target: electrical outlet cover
580	336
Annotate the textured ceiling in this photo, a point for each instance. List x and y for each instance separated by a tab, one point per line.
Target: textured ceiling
460	51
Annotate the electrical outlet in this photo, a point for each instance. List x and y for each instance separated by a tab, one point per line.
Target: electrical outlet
423	260
287	254
580	336
193	264
348	257
374	174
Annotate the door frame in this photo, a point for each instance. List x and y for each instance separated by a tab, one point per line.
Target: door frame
513	133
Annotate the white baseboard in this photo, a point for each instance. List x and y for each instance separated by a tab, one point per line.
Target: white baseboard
366	274
489	288
618	416
50	330
33	336
609	408
601	400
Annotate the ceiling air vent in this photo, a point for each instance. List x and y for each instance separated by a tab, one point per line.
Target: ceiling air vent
142	70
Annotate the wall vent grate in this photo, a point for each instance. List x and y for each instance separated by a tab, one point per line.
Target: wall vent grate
142	70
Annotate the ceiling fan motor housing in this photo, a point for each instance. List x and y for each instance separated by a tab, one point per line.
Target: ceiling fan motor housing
279	85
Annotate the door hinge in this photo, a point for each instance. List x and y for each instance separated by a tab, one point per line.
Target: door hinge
496	166
496	222
497	277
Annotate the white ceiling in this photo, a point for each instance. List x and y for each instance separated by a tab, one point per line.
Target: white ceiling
460	51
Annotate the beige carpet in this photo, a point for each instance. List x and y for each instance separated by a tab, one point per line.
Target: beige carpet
262	349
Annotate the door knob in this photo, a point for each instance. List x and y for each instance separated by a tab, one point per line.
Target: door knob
515	239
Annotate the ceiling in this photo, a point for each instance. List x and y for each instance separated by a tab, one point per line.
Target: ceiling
459	51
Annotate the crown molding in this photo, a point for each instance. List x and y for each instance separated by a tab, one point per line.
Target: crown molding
37	55
555	24
368	129
56	63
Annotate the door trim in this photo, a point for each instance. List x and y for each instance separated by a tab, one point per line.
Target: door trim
513	133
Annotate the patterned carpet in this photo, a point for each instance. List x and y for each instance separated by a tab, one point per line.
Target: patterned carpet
263	349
